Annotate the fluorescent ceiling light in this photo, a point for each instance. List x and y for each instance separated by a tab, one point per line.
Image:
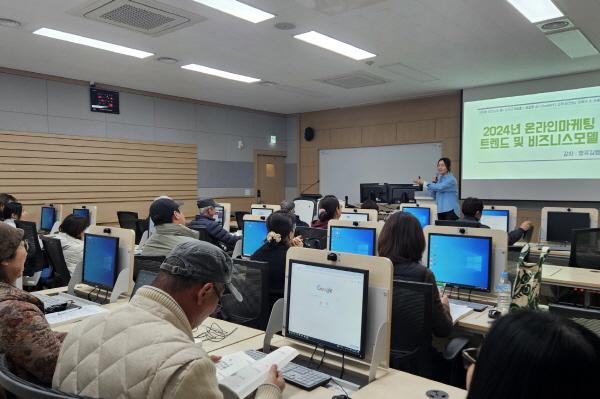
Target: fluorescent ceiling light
238	9
219	73
68	37
537	10
329	43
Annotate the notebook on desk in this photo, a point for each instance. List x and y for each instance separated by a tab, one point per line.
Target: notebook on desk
457	311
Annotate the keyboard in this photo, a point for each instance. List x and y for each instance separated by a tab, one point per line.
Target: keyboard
473	305
52	303
296	374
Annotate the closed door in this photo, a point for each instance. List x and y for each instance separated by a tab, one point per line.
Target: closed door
270	178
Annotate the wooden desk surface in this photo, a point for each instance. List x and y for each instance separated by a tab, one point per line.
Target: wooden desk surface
571	277
238	334
476	321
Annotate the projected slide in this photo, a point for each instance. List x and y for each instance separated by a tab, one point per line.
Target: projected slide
550	135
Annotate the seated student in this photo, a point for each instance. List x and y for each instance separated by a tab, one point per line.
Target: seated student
206	219
70	234
31	347
280	237
403	242
5	199
472	209
12	211
329	209
145	349
370	204
535	355
290	207
169	221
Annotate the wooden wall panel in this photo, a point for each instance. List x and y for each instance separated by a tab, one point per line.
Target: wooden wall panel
111	174
379	135
237	203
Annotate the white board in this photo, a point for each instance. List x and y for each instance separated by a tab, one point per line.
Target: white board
341	171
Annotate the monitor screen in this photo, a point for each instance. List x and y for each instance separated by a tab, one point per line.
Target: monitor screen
261	211
496	219
255	233
100	260
373	191
355	216
83	212
354	240
560	225
48	218
461	261
401	193
422	214
220	215
327	305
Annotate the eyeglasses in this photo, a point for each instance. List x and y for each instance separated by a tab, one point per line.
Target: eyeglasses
25	244
219	294
470	356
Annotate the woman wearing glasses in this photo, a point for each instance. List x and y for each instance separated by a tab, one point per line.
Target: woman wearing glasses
534	355
30	346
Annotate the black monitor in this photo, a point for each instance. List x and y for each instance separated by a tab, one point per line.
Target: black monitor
401	193
312	238
100	260
48	218
143	278
585	248
373	191
327	306
461	260
83	212
560	225
458	223
353	239
220	215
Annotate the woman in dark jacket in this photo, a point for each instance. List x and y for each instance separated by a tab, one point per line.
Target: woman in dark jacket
329	208
403	242
279	238
31	347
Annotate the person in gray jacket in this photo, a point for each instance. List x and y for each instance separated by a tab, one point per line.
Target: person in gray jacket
170	228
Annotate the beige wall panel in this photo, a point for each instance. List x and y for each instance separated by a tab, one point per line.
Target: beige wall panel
447	128
309	156
379	135
346	137
416	132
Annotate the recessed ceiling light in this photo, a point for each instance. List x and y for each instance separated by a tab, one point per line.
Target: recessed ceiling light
9	23
219	73
167	60
537	10
238	9
68	37
329	43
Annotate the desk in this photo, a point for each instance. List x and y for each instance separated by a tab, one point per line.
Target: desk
476	322
241	334
574	277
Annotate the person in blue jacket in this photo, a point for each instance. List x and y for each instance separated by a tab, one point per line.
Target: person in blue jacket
444	190
206	219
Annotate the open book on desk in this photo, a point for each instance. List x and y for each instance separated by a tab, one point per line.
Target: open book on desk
457	311
242	374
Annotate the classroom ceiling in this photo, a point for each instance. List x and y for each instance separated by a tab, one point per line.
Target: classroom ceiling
423	47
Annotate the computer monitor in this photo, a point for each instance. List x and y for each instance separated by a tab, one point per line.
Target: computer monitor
261	211
353	239
220	215
144	277
373	191
401	193
461	260
422	214
561	224
48	218
327	306
100	260
255	233
83	212
355	216
496	219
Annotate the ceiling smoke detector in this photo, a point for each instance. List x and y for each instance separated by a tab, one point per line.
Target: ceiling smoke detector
285	26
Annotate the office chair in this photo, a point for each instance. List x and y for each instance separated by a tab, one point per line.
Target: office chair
129	220
23	389
203	235
148	263
589	318
585	248
141	227
56	259
410	344
312	238
35	258
252	280
239	219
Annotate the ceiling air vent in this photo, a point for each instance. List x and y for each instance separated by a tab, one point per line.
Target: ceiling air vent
145	16
555	25
354	80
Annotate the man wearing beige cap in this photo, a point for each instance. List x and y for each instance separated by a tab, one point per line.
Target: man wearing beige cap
146	349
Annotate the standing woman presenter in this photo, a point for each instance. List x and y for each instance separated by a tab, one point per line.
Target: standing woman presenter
444	190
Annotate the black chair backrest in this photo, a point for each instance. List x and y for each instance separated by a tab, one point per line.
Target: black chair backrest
313	238
35	257
589	318
458	223
144	277
203	234
252	280
56	258
585	248
23	389
412	306
239	219
148	263
127	219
